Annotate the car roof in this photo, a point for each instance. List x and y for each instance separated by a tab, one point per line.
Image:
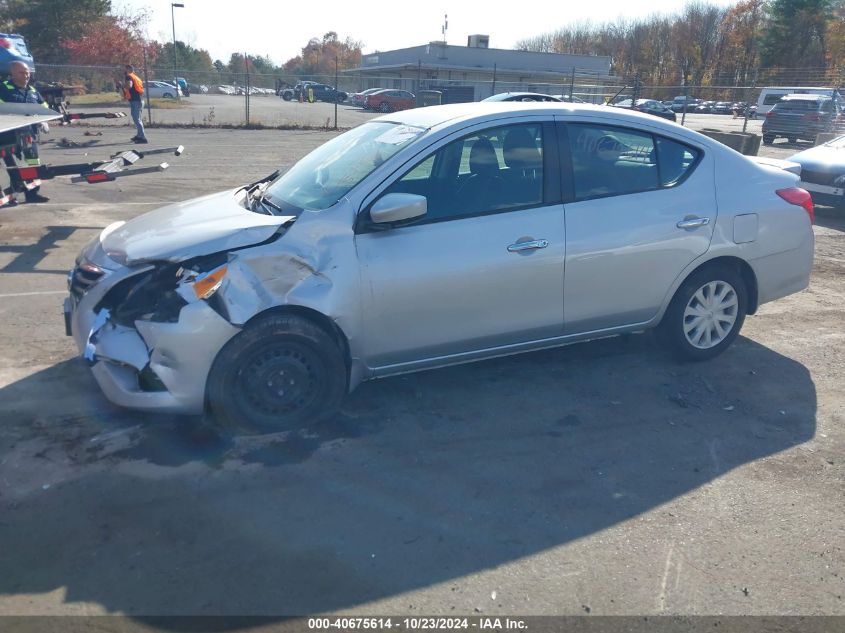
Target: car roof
477	112
504	96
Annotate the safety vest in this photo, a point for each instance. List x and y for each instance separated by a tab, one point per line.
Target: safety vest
20	95
137	83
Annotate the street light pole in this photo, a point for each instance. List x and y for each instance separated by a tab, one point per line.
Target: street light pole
175	5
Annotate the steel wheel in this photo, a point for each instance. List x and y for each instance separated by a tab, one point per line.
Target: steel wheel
279	380
282	372
710	314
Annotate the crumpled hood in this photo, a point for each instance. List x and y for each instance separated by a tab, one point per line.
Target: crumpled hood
210	224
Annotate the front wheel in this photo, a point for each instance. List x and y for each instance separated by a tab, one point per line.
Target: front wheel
384	106
706	314
167	95
281	373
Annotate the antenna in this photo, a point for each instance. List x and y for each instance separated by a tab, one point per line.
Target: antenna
445	26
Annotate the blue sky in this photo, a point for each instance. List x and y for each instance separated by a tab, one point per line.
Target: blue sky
280	28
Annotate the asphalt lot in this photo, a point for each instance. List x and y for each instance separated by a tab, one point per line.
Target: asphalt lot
601	478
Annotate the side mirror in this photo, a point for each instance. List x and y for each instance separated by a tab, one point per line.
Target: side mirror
396	207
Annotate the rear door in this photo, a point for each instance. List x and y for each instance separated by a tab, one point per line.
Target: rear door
640	208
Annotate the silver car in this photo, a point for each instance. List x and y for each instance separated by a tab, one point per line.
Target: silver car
431	237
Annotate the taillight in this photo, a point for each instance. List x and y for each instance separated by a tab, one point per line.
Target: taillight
799	197
770	114
5	43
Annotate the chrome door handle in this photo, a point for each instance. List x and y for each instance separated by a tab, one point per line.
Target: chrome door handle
533	245
693	223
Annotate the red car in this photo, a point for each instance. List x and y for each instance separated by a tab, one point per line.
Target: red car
390	100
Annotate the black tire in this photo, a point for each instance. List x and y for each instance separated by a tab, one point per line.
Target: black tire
281	373
384	106
167	95
791	139
677	329
768	139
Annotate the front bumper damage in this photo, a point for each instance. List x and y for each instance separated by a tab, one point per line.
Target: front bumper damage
159	362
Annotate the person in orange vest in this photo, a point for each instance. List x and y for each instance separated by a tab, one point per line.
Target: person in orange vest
133	89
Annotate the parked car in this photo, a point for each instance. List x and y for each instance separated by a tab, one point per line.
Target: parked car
431	237
390	100
649	106
289	93
801	116
13	48
521	96
722	107
161	90
682	103
322	92
823	172
743	109
226	89
183	85
359	98
572	99
704	107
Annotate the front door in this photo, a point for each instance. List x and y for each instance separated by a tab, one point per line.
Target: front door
483	269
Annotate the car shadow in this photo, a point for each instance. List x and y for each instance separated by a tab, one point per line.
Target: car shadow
421	479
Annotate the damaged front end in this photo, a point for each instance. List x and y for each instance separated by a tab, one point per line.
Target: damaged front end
152	336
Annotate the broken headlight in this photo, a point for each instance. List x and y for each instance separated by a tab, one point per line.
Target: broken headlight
159	294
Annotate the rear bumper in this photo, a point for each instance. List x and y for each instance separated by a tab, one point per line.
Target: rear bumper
784	273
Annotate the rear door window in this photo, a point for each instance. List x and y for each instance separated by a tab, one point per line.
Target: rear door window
611	161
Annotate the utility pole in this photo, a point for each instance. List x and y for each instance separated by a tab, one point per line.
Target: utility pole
335	92
175	5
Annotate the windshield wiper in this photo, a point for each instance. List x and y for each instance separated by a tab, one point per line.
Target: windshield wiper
251	186
264	201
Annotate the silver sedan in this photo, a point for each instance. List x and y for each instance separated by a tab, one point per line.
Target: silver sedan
431	237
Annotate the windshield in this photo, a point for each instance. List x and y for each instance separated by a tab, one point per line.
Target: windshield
329	172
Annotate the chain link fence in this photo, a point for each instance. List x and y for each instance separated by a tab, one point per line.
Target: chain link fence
240	98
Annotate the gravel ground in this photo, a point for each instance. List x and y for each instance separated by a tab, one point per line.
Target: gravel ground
600	478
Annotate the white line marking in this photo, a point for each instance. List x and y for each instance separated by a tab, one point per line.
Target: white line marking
661	603
32	294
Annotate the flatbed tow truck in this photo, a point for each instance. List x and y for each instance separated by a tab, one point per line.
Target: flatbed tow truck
20	119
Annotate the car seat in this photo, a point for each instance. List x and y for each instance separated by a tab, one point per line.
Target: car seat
524	176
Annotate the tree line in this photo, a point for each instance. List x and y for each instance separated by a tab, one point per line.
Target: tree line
700	45
96	33
706	45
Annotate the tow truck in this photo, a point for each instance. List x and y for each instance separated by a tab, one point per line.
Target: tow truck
20	119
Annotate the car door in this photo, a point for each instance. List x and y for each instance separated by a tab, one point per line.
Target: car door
640	208
483	269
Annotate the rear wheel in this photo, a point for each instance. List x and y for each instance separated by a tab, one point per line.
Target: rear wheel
706	313
768	139
281	373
